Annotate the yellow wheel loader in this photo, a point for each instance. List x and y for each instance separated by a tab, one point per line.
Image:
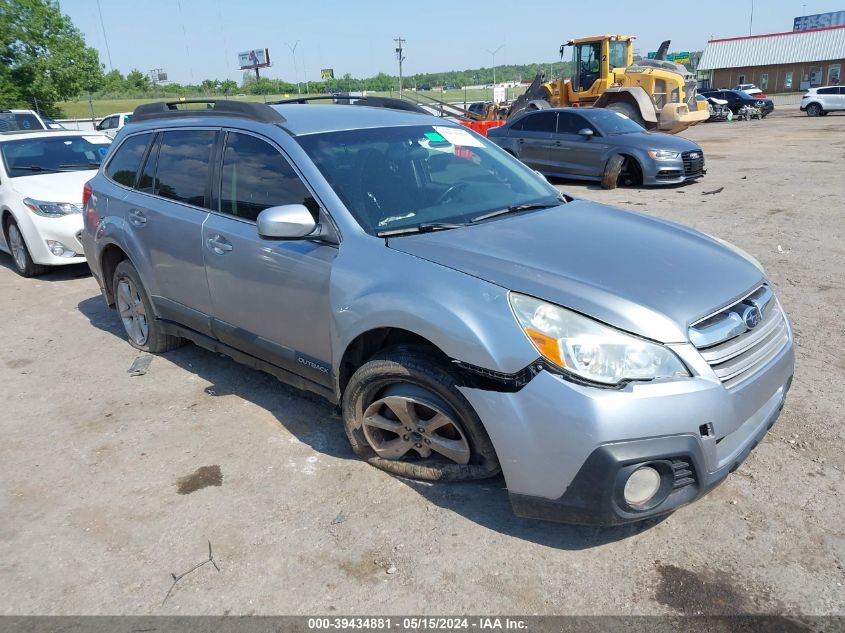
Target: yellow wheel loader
656	93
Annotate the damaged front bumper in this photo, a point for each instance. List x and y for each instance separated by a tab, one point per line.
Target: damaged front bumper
566	449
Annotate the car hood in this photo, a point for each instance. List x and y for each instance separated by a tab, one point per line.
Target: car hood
638	273
60	187
653	140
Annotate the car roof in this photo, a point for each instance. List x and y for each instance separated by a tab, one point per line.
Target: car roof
302	119
19	134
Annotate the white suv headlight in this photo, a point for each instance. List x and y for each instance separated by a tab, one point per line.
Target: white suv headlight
589	349
52	209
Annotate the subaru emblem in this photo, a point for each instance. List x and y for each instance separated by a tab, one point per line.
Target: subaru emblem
752	317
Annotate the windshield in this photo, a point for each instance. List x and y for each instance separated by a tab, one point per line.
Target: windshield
13	121
403	177
26	157
610	122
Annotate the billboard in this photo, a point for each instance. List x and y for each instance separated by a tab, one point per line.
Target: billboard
819	21
326	74
255	58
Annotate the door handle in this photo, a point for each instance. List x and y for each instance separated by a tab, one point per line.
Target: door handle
520	140
557	143
219	245
137	217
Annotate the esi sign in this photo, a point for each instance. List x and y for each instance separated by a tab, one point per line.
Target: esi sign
819	21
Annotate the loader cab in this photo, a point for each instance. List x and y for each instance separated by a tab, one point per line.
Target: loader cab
594	60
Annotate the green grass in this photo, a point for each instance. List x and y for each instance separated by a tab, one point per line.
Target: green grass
81	109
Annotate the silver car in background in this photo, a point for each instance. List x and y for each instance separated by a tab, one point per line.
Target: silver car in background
467	317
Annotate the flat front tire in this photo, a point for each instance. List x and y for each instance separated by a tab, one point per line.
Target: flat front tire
403	413
612	170
136	312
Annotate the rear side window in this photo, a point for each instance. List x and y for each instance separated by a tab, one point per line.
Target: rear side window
828	91
181	172
256	176
127	159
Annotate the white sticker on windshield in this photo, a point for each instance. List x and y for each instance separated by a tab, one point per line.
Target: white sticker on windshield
98	140
458	136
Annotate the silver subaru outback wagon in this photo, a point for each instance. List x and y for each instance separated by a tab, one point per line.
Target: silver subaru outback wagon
467	317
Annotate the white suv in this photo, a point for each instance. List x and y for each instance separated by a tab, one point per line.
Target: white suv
820	101
42	174
112	124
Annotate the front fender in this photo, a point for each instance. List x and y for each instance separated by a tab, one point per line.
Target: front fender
467	318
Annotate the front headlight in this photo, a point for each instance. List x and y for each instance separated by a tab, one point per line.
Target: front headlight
52	209
663	154
589	349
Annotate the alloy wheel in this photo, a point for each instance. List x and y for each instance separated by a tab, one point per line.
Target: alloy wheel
132	312
404	423
17	246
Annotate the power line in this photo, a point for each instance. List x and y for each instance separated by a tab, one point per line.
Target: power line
105	37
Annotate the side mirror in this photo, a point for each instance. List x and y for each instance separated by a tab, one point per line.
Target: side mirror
290	221
586	132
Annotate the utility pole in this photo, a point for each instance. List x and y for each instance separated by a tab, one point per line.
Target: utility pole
493	55
751	21
401	57
295	68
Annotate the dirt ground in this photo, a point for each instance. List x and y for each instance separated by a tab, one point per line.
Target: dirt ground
110	483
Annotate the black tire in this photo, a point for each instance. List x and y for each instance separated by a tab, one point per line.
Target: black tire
814	109
25	267
612	171
155	341
623	107
414	372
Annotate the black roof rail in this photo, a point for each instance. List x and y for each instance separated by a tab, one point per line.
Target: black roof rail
345	99
225	107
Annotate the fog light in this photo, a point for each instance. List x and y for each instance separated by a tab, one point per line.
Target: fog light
641	486
59	250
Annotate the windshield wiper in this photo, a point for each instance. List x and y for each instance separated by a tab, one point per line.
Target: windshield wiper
425	227
516	208
37	168
92	165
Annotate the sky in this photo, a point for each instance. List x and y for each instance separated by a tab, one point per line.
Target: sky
200	39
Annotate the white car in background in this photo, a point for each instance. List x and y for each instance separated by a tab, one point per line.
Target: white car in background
749	88
820	101
113	123
42	175
11	120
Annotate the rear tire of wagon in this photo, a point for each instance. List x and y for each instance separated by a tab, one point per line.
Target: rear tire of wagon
612	171
142	329
403	413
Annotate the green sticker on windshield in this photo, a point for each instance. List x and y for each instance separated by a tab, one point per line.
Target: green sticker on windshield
434	137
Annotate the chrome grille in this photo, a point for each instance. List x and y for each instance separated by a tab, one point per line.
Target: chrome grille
743	337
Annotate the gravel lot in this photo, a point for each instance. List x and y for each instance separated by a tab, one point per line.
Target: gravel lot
110	483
